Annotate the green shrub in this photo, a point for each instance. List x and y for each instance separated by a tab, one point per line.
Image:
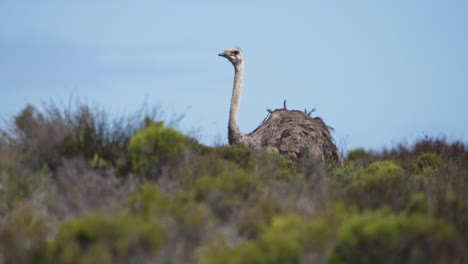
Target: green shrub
350	172
238	153
219	253
356	154
453	208
380	176
427	163
17	184
418	204
269	162
282	241
279	243
251	223
285	168
149	202
156	146
23	235
380	238
381	183
187	212
318	234
226	191
104	238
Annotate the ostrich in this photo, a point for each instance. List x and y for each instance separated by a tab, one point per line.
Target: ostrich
292	133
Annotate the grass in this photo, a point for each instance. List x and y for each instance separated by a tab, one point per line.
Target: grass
77	186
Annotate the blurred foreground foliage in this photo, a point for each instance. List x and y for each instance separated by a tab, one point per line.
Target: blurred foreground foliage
77	186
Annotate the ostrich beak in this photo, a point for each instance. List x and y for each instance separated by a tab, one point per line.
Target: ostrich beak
222	54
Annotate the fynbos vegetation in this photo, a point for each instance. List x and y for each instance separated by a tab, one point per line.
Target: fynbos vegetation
79	187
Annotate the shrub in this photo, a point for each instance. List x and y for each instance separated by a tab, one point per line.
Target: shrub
356	154
279	243
105	238
251	222
226	191
156	146
23	235
418	204
287	169
427	163
380	238
36	137
282	241
347	174
187	212
238	153
149	202
219	253
380	183
453	208
45	137
18	184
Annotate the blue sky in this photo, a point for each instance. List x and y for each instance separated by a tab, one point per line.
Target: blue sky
379	72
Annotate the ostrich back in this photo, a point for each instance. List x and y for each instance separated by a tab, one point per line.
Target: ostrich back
295	134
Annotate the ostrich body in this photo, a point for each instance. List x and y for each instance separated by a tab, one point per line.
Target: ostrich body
292	133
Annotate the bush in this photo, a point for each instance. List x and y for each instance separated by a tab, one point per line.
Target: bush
282	241
418	204
427	163
381	183
226	191
239	154
99	238
23	236
252	222
45	137
348	173
279	243
357	154
18	184
380	238
156	146
149	202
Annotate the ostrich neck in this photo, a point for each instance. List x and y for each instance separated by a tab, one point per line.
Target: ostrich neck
234	134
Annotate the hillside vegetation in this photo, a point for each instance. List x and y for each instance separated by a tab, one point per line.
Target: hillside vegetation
77	186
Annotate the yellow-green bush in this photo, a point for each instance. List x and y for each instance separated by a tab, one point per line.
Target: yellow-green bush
380	176
284	168
23	235
189	213
227	190
279	166
17	184
281	242
381	183
383	238
238	153
418	204
149	201
156	146
285	238
104	238
427	163
356	154
348	173
252	222
237	184
220	253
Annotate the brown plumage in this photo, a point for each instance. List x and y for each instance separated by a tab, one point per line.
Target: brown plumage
292	133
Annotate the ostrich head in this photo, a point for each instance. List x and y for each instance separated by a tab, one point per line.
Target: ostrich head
234	55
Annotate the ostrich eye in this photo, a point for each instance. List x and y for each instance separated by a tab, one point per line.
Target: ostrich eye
235	52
